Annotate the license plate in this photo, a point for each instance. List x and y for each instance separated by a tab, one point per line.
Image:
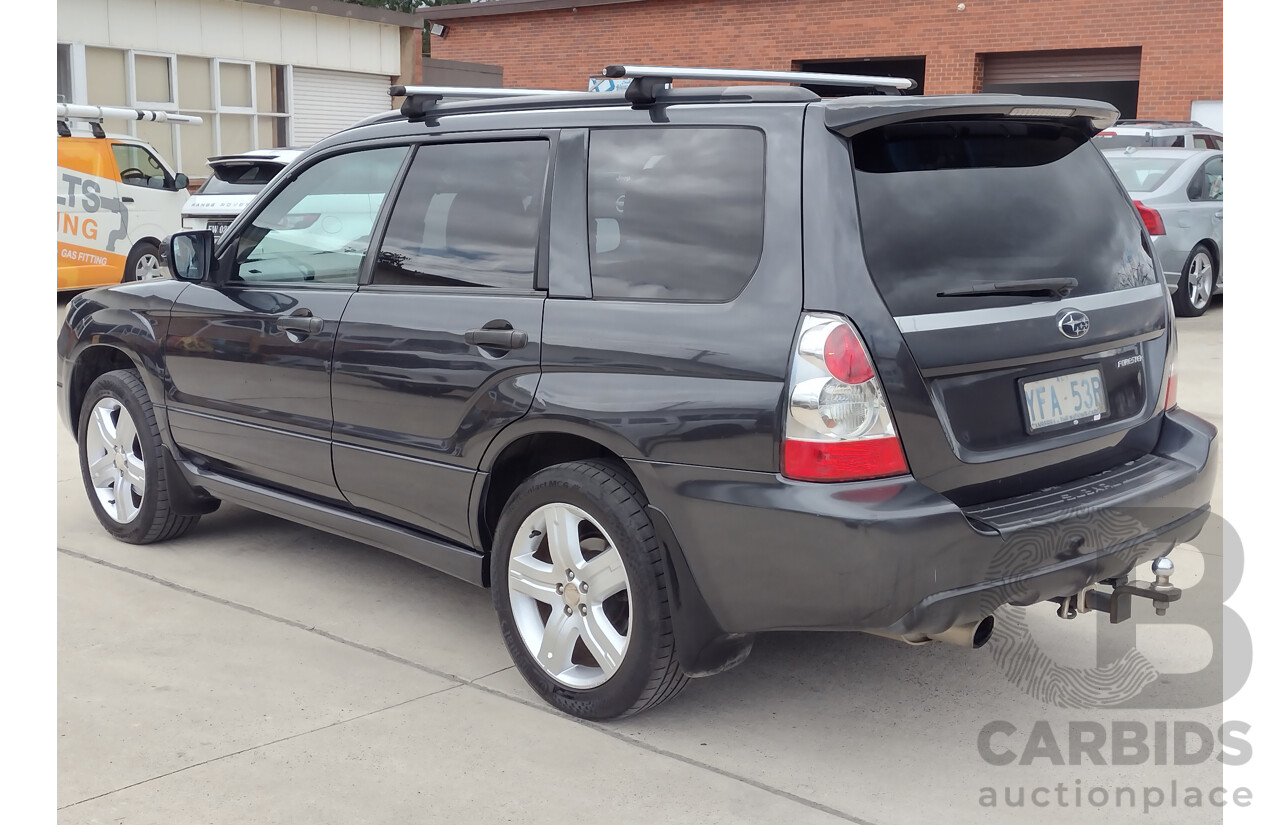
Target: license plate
1064	399
217	227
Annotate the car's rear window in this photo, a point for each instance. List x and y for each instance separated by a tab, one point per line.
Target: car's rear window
1143	174
1144	141
946	205
240	179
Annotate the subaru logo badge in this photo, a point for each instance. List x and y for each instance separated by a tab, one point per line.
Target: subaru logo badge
1073	323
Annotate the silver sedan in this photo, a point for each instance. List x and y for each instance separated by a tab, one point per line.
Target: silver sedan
1178	194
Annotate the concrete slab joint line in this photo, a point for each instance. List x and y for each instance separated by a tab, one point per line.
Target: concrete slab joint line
457	681
298	735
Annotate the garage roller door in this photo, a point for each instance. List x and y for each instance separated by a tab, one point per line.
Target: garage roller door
325	101
1078	66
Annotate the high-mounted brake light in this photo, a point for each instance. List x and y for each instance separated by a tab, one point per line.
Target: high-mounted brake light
1150	218
838	426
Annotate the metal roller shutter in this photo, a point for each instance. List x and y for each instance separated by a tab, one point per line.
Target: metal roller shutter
325	101
1079	66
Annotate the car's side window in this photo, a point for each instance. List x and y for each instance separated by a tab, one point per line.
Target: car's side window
138	167
1213	179
1202	142
316	229
1206	183
674	214
468	215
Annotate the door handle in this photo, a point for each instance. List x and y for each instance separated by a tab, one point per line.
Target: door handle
298	322
1218	214
127	199
496	338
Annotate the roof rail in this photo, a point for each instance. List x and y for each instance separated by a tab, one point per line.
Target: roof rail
418	99
96	114
646	81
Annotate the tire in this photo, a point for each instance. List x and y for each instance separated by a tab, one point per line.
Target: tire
143	263
121	462
613	652
1197	284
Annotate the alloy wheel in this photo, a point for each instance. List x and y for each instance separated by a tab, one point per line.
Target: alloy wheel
113	451
1200	280
570	595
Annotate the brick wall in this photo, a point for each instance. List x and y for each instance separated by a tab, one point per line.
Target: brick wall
1181	40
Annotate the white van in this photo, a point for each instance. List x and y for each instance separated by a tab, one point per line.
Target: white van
117	199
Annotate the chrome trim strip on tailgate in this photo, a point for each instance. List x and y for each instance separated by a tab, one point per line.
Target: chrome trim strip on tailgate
1045	309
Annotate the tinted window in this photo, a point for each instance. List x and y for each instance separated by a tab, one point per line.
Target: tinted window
239	179
467	215
946	205
675	214
317	228
138	167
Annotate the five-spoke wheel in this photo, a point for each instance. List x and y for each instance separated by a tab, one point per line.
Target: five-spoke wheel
569	595
581	592
1197	285
122	462
117	470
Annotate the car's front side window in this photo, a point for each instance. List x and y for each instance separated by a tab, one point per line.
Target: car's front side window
138	167
316	229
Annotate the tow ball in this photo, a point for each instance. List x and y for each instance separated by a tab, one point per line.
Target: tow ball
1118	603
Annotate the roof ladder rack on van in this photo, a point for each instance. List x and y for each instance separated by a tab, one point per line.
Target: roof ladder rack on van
648	81
96	114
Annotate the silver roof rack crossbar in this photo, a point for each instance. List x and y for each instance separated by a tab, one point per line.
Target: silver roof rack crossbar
648	80
418	99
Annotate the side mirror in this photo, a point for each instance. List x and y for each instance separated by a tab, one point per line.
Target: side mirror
189	254
181	181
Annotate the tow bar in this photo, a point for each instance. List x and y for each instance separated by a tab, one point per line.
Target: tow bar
1119	602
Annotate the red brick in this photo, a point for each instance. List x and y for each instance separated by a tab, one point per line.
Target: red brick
561	49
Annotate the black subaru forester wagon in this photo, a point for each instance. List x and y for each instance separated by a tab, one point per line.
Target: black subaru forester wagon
670	367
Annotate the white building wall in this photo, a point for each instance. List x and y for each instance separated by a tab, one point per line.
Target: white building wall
115	47
232	29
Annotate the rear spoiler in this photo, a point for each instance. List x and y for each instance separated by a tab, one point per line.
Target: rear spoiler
851	115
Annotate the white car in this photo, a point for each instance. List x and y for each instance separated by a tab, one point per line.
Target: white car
1158	134
235	182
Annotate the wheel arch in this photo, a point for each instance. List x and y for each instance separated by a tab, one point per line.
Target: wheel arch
703	646
1211	245
91	363
516	459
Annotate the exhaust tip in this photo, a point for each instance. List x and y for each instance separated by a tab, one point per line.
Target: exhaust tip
982	631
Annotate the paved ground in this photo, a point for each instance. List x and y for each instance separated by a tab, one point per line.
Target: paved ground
257	671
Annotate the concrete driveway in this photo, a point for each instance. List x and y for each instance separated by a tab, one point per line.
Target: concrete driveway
258	671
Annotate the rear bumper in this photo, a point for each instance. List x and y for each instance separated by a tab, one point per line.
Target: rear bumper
768	553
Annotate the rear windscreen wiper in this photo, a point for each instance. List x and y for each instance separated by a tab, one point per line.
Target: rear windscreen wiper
1034	288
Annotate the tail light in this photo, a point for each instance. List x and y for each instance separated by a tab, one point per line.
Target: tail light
1150	218
838	426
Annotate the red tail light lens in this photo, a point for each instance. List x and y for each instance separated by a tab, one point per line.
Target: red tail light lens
861	458
838	426
844	357
1171	391
1150	219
